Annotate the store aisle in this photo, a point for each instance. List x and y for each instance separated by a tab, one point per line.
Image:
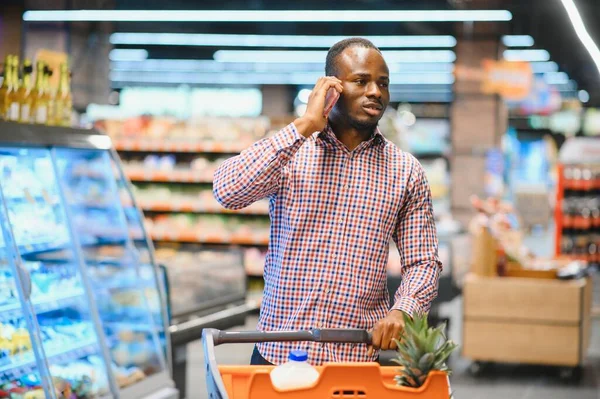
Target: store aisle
499	382
226	354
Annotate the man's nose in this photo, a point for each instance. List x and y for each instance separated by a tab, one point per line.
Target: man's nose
373	90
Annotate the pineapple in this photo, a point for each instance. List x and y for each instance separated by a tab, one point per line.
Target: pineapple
421	350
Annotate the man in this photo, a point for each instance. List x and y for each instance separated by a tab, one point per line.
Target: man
338	191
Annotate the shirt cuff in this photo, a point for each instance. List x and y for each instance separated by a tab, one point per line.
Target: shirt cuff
408	305
286	137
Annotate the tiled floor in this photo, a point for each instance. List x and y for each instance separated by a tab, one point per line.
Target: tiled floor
499	382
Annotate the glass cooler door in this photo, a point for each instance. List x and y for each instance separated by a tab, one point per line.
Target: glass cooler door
21	358
155	280
123	289
63	316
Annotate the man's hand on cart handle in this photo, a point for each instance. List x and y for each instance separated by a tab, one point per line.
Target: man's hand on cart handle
385	330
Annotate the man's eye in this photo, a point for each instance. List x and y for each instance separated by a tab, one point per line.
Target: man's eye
384	84
360	82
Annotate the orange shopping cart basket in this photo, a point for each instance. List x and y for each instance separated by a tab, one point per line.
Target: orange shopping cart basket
336	381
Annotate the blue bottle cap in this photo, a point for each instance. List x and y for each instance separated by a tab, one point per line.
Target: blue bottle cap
299	356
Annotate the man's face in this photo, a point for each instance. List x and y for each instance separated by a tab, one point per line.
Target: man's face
365	78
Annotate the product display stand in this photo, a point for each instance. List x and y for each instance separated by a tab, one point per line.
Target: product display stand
577	210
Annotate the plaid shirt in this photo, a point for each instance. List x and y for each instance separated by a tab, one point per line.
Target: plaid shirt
333	213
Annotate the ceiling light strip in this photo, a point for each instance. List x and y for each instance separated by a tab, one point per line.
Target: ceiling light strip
189	65
297	78
267	15
283	56
582	32
518	41
294	41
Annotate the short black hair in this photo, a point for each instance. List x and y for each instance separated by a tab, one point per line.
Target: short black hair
331	63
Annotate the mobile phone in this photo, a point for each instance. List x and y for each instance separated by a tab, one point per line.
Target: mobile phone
330	99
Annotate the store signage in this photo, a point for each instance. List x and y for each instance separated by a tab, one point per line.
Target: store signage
511	80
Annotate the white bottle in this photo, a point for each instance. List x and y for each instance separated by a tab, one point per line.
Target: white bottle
296	373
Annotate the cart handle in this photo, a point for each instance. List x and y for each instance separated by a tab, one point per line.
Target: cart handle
332	335
212	337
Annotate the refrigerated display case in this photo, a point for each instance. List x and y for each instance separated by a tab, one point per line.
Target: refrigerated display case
82	313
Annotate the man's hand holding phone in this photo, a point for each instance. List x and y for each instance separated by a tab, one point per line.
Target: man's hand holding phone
320	102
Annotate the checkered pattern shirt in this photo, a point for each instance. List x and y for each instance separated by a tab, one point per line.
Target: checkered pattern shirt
333	213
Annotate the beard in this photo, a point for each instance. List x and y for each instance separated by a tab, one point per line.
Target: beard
362	125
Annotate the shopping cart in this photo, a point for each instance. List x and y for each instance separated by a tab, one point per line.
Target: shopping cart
336	381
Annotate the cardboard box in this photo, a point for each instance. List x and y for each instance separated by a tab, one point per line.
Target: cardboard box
484	258
526	320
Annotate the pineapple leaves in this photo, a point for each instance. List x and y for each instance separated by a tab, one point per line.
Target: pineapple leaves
421	349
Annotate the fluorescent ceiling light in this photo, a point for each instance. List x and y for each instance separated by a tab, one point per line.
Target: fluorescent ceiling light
418	56
582	32
526	55
571	85
268	15
296	78
517	41
128	55
543	67
556	78
187	65
218	40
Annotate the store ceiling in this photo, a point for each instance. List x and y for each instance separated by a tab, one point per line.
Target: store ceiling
545	20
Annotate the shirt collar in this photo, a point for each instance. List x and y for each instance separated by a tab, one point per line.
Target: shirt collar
375	139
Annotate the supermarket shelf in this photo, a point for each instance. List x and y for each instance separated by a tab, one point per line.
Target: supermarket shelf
429	155
38	248
196	207
26	364
112	284
172	176
133	145
36	198
120	326
98	206
28	135
13	310
90	174
192	237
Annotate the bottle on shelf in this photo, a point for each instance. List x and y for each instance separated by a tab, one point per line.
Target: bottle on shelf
25	92
50	96
6	88
13	97
39	107
64	101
